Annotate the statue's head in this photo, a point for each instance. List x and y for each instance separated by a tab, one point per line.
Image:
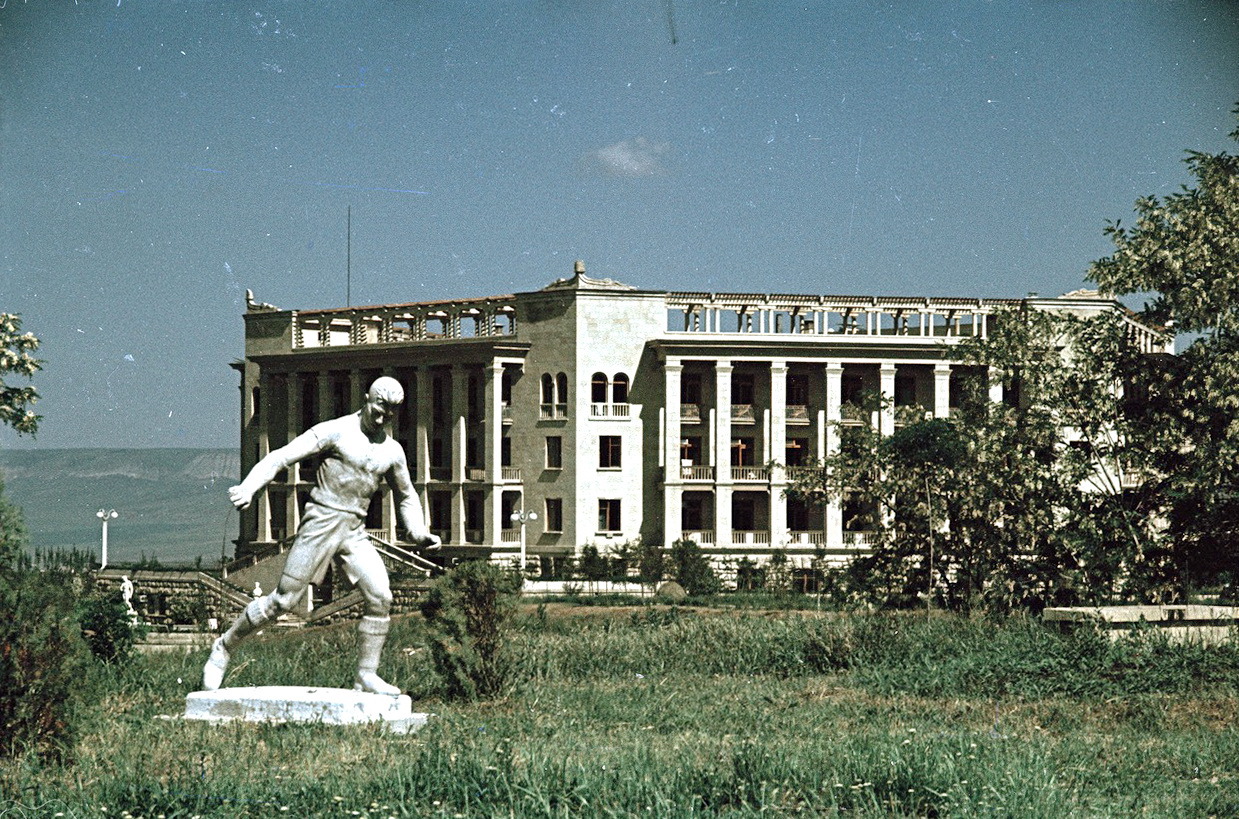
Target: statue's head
381	401
388	389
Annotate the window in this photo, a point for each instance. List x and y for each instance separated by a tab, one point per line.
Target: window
548	389
742	390
690	388
797	451
609	515
797	390
505	452
905	390
797	515
598	388
619	389
561	382
554	452
609	450
554	514
690	450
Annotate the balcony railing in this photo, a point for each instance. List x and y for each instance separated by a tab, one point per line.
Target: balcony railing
703	537
507	413
802	473
444	535
609	410
440	473
854	414
474	536
806	538
696	473
510	474
690	413
475	473
750	473
858	539
911	414
510	536
553	412
743	414
797	414
746	538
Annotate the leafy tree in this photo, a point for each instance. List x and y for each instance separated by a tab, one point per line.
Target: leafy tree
984	509
16	356
1184	249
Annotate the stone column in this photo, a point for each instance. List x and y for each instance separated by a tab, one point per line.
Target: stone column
995	385
355	390
886	382
778	451
722	454
673	489
942	390
324	395
262	421
421	470
834	414
460	420
492	452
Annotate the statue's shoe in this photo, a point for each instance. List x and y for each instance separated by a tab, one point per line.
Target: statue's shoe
216	665
374	684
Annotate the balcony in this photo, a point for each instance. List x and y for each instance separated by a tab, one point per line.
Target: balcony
444	535
911	414
694	472
797	414
552	412
806	538
750	473
854	414
440	473
702	537
858	540
750	538
803	473
690	413
475	473
510	536
474	536
510	474
507	413
621	411
743	414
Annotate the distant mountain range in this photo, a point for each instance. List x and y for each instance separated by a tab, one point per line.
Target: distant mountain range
172	503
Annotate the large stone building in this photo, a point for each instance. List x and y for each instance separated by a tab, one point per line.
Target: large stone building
613	413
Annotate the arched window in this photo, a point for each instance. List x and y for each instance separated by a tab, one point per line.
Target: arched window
598	388
548	389
619	389
561	381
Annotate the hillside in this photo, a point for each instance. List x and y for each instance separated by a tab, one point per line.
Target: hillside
172	502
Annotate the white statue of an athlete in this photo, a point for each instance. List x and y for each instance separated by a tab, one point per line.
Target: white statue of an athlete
356	454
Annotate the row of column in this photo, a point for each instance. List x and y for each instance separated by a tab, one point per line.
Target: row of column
827	430
419	467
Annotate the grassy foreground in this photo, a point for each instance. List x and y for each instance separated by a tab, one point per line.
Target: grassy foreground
656	712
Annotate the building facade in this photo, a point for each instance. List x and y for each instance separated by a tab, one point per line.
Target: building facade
612	413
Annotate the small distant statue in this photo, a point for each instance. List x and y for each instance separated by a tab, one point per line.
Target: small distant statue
356	454
126	592
257	590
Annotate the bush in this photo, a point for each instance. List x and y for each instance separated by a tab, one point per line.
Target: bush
43	661
468	610
692	569
110	630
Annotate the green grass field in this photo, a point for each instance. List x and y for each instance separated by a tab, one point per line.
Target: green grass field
657	712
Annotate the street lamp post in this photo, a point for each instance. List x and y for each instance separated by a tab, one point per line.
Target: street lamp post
104	516
522	517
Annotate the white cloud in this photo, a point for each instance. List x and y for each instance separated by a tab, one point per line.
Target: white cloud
629	158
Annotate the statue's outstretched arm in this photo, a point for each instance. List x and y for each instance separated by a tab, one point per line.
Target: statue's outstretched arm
298	449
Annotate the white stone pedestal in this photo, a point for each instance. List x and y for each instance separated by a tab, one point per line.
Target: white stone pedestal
290	703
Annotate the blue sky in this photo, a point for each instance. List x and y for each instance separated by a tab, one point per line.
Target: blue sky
157	158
